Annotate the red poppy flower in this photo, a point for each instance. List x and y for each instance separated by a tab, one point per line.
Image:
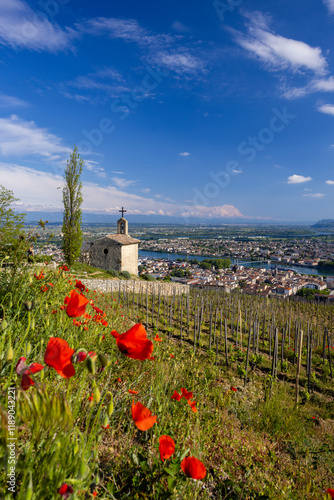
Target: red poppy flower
97	310
193	468
186	394
142	417
58	355
76	305
177	396
132	392
65	490
119	380
166	447
40	276
234	389
172	355
76	323
192	405
80	286
91	398
44	288
54	311
157	338
330	492
64	268
134	343
106	427
81	356
25	372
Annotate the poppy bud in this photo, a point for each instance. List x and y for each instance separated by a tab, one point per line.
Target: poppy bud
83	469
30	279
47	322
32	324
103	360
76	447
10	304
96	394
29	305
105	421
35	402
90	365
4	324
29	491
9	354
110	408
28	348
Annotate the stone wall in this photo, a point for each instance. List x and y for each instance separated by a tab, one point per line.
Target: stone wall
130	259
106	256
141	286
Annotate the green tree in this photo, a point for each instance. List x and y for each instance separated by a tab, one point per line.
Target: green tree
11	224
72	200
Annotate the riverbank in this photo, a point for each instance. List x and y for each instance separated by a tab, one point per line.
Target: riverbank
313	271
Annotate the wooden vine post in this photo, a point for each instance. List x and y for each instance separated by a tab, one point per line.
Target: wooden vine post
299	361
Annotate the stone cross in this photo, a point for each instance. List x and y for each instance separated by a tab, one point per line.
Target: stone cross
123	211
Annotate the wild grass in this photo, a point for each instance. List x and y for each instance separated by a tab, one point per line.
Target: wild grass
254	442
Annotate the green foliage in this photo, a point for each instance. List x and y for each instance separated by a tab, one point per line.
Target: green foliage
72	200
113	273
125	274
147	277
11	225
218	263
181	273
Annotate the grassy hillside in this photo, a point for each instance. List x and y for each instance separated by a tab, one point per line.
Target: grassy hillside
76	436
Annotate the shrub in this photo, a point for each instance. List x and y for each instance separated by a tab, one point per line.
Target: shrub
113	273
125	274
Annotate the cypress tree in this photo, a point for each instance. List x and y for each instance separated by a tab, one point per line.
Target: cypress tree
72	200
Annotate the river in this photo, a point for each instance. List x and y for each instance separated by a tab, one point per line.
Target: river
263	265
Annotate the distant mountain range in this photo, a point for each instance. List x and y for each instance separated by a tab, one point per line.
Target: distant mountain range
57	217
324	224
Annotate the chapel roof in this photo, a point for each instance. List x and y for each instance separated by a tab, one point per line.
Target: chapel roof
122	239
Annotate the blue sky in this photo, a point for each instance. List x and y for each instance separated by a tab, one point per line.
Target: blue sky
193	109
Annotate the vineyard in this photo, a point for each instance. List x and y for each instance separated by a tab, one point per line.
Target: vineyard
276	336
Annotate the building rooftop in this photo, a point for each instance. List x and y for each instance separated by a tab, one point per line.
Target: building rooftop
122	239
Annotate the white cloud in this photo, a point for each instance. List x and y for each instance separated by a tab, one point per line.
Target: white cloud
315	85
237	171
212	212
39	191
184	154
122	183
182	28
278	52
165	50
19	137
21	27
146	190
330	5
119	173
7	101
298	179
180	62
95	167
328	109
330	183
314	195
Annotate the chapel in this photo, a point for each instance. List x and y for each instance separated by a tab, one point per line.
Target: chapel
116	251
